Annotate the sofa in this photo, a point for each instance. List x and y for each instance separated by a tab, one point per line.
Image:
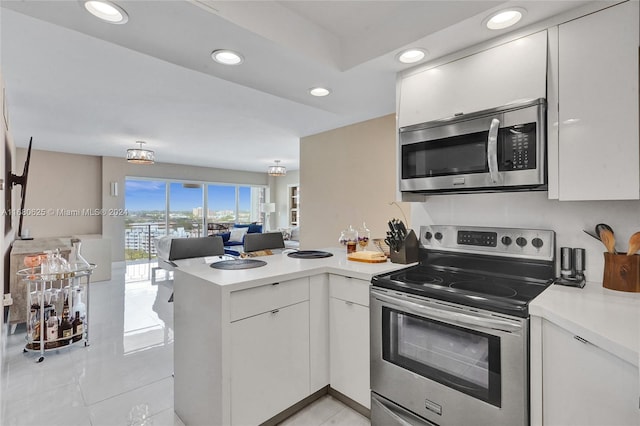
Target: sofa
234	239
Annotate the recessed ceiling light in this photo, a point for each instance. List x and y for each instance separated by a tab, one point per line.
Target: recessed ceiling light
504	18
319	91
411	56
107	11
227	57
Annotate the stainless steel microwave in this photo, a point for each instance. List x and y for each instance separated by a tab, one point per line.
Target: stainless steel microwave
500	149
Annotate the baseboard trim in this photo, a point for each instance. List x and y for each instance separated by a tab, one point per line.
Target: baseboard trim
296	407
327	390
350	402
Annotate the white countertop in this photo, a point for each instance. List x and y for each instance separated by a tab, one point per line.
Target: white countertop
607	318
281	267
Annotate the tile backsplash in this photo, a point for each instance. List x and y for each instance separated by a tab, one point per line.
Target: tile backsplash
535	210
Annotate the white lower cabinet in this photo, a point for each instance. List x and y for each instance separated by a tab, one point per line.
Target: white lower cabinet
349	338
269	363
583	384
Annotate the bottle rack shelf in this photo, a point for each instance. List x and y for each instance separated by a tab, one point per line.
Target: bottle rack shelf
48	291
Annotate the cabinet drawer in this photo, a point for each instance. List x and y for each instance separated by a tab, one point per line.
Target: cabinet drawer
254	301
349	289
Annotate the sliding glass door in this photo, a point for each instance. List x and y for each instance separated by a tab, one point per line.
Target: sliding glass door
145	201
186	210
221	201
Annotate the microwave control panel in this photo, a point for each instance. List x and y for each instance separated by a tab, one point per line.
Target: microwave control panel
519	147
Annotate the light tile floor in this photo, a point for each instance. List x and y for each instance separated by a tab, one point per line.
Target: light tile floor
125	376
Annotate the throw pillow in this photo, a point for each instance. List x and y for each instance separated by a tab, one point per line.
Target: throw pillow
286	233
295	233
237	234
255	229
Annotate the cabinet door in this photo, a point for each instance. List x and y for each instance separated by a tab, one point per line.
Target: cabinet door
349	350
269	363
598	106
488	79
585	385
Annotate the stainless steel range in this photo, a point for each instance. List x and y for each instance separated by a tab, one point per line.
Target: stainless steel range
449	337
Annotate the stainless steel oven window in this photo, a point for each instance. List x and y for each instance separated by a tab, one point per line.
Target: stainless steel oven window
457	357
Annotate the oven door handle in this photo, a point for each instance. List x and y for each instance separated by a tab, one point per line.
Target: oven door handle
492	151
452	317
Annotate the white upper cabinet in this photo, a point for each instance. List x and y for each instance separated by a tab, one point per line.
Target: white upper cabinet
513	71
598	142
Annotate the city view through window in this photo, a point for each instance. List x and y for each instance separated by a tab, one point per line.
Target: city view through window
159	208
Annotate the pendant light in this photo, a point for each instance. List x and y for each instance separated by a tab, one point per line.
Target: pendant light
140	155
277	170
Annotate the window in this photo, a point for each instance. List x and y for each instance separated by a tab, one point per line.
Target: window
146	203
186	210
222	203
158	208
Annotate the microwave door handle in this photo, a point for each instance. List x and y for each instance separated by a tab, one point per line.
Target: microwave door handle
492	151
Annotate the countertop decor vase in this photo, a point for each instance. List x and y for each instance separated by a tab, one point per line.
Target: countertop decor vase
364	235
349	238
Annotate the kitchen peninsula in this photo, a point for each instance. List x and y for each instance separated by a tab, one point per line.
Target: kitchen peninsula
251	343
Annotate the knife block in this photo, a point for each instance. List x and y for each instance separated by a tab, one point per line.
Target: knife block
621	272
408	251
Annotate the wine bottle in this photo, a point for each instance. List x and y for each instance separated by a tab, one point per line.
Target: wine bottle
52	331
65	330
78	327
65	307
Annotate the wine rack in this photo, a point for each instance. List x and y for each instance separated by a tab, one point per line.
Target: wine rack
46	292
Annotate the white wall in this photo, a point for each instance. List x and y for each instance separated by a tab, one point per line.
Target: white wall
535	210
8	237
348	176
59	186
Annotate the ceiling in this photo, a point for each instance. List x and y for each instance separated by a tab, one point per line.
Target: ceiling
77	84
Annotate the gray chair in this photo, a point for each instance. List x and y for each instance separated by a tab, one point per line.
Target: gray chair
185	248
269	240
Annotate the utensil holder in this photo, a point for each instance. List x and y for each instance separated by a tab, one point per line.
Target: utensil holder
408	251
621	272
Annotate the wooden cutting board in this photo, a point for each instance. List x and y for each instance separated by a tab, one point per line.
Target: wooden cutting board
366	257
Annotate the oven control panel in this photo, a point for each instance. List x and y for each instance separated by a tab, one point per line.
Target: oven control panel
510	242
477	238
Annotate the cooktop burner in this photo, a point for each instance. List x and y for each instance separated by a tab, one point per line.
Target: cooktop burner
485	287
417	277
496	269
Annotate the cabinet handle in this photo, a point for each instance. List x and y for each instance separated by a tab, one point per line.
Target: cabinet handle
275	283
581	340
275	311
348	302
